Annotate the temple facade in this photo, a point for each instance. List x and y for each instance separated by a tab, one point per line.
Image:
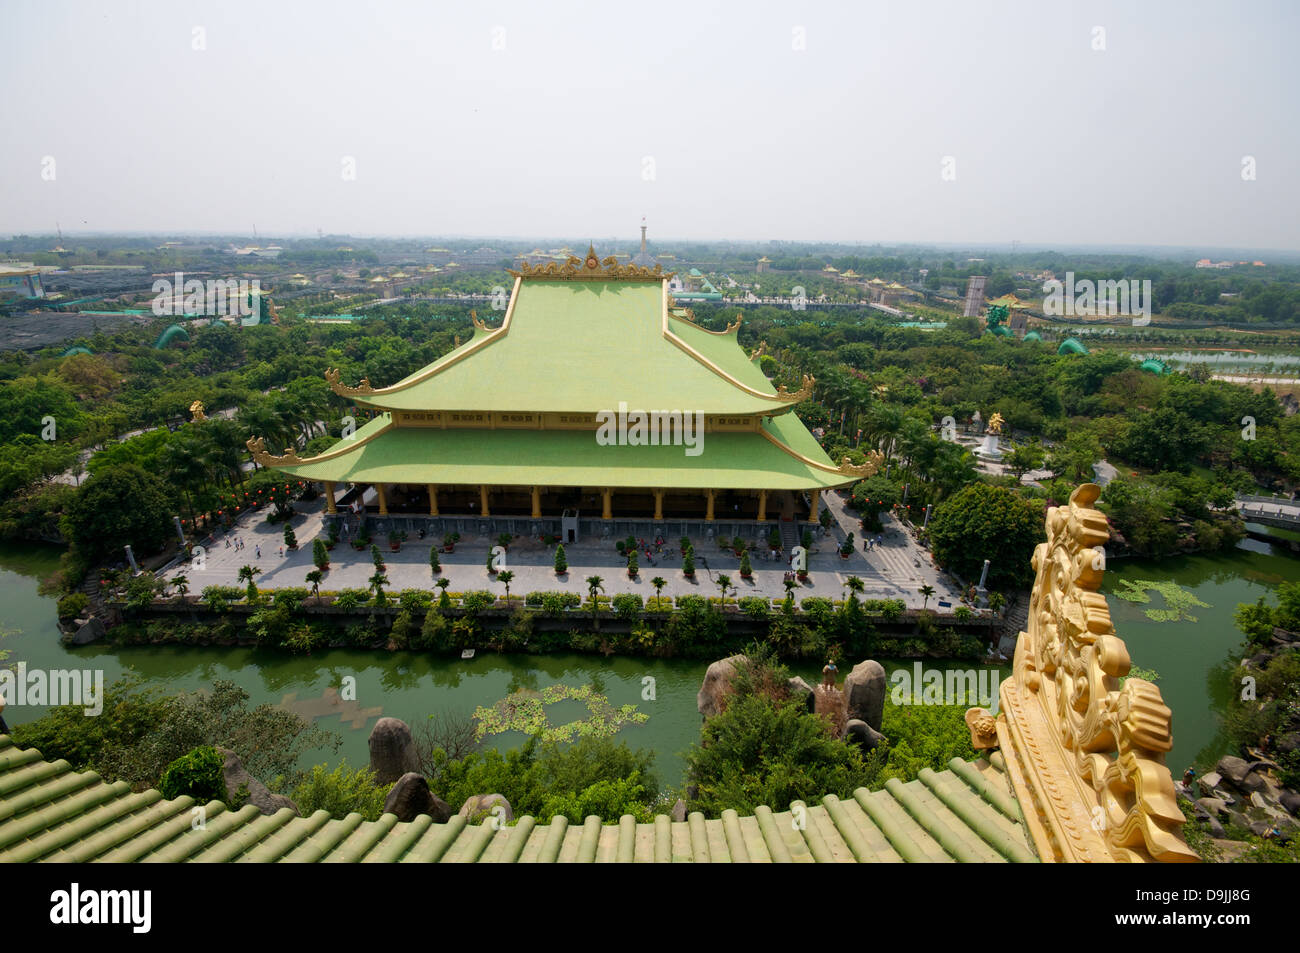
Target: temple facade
597	407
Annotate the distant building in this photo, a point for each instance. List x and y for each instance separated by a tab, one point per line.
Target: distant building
974	296
21	282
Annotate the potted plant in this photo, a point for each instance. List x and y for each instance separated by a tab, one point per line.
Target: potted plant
738	545
846	548
802	574
395	541
491	564
377	558
621	547
632	568
561	561
688	563
805	540
746	570
449	542
333	537
290	539
774	539
320	555
434	565
504	540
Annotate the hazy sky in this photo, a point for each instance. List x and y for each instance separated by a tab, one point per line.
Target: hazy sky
503	119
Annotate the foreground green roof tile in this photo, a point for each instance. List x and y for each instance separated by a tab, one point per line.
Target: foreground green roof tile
48	812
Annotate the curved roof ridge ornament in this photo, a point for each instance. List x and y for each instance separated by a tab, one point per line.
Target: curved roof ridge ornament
875	460
334	377
591	268
1084	745
803	393
257	447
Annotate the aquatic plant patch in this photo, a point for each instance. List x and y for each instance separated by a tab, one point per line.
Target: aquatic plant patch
1177	599
525	711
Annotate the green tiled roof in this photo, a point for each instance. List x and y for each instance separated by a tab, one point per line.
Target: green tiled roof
572	458
581	346
50	813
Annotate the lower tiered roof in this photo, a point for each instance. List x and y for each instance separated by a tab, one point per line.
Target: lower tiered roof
48	812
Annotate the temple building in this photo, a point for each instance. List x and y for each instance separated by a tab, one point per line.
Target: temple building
595	407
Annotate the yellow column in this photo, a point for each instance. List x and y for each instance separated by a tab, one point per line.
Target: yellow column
816	502
708	515
762	505
483	499
659	504
383	501
537	503
433	498
329	498
606	504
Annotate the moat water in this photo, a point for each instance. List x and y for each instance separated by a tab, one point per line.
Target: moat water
1193	658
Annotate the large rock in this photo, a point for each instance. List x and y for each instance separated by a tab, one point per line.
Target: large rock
679	810
803	692
479	806
392	750
1291	801
87	631
1212	805
1233	768
239	782
864	693
717	683
863	735
411	797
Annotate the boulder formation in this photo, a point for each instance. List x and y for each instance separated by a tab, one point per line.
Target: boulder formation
864	692
243	787
392	750
411	797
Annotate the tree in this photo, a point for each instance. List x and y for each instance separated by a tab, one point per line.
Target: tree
341	792
314	580
444	600
291	538
561	560
982	521
688	563
632	567
1025	457
181	584
854	584
658	582
377	583
119	505
926	590
746	568
246	574
435	566
595	584
504	577
1073	458
723	582
320	556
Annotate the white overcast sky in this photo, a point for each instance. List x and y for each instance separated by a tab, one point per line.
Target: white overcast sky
750	138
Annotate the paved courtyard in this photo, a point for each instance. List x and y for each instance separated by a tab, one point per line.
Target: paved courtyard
896	569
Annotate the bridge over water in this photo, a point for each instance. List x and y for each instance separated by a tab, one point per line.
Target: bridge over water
1270	511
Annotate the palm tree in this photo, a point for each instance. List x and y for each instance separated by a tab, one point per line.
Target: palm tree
658	582
181	584
246	574
314	577
723	582
504	577
444	600
927	590
595	584
854	585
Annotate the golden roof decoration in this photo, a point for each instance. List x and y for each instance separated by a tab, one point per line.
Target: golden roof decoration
736	325
257	447
758	351
591	268
1084	745
334	378
875	460
803	393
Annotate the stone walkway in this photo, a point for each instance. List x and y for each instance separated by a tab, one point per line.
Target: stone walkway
896	569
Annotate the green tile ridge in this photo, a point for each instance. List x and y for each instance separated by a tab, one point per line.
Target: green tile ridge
1000	798
983	825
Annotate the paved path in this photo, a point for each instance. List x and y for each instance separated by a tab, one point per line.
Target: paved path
890	571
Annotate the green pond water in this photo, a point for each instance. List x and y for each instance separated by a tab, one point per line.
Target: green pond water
1190	657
